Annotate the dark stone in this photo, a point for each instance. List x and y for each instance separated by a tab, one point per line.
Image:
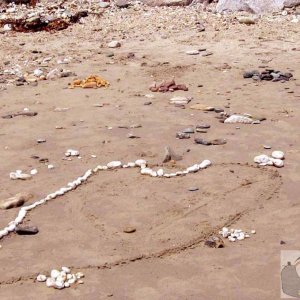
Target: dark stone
214	242
219	110
148	103
202	142
188	130
26	230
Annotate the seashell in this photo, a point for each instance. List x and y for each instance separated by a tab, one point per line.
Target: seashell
193	168
50	167
54	274
114	164
140	162
160	172
66	270
278	163
41	278
278	154
66	284
69	276
238	119
206	163
50	282
253	231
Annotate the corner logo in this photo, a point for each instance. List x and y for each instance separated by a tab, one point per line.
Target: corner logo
290	270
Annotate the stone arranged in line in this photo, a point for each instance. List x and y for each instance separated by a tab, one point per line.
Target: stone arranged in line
140	163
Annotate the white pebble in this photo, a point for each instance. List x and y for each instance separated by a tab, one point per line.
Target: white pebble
33	172
50	282
50	167
160	172
278	163
114	164
54	274
66	270
278	154
41	278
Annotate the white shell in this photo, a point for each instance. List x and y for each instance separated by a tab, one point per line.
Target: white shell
41	278
153	174
33	172
131	164
66	284
146	171
59	284
278	154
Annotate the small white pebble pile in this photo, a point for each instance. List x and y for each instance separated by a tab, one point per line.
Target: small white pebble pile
235	234
18	174
61	279
275	160
142	164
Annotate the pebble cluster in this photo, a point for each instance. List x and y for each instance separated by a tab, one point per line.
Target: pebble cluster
235	234
269	75
276	159
61	279
140	163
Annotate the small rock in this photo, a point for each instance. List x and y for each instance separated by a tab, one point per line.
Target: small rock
215	242
122	3
104	4
41	278
129	229
39	141
181	135
193	189
170	155
192	52
16	201
188	130
147	103
278	154
203	126
282	242
114	44
267	147
26	230
132	136
247	20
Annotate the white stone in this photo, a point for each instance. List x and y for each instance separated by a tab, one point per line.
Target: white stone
263	160
131	164
253	231
193	168
79	275
66	270
278	163
231	239
206	163
153	174
114	164
238	119
140	162
66	284
192	52
50	167
278	154
38	72
160	172
33	172
59	284
146	171
50	282
114	44
54	274
41	278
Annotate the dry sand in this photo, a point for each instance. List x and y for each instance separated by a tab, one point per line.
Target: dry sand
165	258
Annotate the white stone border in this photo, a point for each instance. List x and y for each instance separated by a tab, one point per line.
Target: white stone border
142	164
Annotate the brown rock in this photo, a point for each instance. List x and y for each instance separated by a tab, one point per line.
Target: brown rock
15	201
214	242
